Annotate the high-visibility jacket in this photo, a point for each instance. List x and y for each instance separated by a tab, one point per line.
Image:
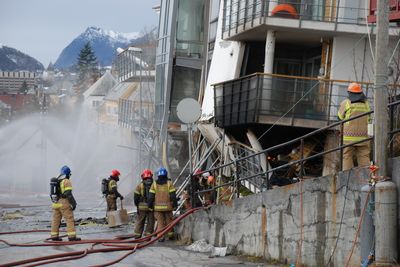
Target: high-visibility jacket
162	199
111	185
224	193
140	191
355	130
65	185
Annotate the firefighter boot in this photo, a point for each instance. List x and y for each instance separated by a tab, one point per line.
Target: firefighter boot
57	238
74	238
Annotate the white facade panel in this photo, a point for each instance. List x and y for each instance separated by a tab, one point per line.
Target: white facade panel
225	65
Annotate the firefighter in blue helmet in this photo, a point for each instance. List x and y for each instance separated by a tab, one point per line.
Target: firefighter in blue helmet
63	205
162	199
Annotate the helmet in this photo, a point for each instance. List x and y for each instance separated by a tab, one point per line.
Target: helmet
354	88
65	170
147	174
198	171
210	180
206	174
115	173
162	172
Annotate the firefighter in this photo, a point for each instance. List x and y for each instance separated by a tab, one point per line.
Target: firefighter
194	187
224	193
113	193
355	130
210	196
162	198
63	206
140	198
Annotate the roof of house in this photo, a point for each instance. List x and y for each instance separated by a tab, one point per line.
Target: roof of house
102	86
121	90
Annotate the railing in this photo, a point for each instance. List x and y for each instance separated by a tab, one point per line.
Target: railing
394	10
393	134
248	167
237	13
129	117
246	99
128	65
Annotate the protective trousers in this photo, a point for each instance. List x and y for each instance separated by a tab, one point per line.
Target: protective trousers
163	218
361	151
62	209
144	216
111	202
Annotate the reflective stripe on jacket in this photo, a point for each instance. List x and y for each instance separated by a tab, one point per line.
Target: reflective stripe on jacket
162	201
65	185
140	191
355	130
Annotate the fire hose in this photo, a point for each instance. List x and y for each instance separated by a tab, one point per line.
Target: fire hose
116	244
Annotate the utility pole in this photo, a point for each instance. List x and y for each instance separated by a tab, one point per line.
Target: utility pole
385	215
380	92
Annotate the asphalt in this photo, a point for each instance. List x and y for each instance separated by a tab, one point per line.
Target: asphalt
32	215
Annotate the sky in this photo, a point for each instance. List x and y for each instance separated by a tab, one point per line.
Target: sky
43	28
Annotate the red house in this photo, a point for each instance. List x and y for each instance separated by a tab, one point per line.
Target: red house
394	14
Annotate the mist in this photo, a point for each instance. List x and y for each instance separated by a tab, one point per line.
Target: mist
35	147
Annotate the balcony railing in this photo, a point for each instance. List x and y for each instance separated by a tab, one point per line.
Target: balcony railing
242	14
128	65
257	97
394	10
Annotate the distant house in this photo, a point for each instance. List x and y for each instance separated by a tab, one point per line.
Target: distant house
94	96
109	109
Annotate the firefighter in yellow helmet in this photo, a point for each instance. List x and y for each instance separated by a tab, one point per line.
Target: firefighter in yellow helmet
355	130
113	193
162	198
140	198
63	205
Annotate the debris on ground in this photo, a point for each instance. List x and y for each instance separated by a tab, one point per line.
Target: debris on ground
200	246
14	215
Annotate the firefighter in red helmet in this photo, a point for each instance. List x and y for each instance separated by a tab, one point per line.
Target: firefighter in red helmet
145	215
112	193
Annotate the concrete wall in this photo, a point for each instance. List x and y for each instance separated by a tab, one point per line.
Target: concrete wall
396	180
286	225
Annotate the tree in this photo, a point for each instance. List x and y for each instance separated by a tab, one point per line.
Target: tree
87	67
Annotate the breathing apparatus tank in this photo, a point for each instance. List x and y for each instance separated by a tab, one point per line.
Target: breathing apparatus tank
104	186
54	189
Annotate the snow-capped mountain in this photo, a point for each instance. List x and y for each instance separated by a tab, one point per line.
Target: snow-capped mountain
104	44
13	60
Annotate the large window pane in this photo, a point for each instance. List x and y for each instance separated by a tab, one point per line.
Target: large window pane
190	28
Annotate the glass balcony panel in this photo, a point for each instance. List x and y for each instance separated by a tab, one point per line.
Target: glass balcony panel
244	100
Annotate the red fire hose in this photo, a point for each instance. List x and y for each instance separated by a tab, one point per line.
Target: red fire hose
136	244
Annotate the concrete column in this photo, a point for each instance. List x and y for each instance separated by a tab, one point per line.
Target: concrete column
331	160
268	68
268	63
386	223
269	52
367	233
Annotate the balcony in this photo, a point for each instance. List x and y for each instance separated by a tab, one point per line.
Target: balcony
284	100
130	66
394	11
243	15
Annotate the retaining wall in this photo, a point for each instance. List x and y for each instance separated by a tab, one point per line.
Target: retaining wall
314	221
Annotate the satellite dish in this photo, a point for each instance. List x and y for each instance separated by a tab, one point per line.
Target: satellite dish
188	110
